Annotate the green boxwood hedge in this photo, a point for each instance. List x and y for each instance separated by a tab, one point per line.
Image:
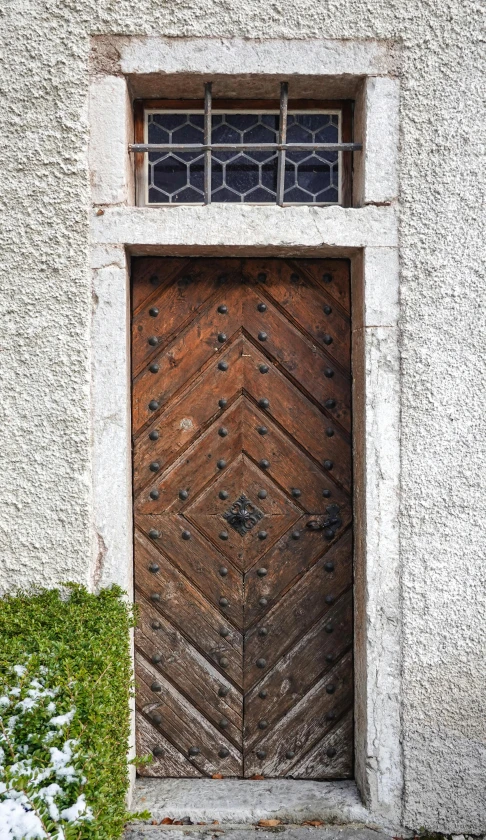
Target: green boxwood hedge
65	683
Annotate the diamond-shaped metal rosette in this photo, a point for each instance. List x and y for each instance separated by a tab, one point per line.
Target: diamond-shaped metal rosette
243	515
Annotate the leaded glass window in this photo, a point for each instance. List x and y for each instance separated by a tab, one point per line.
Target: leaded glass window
291	152
311	177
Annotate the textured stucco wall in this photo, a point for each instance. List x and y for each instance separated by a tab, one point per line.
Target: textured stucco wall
46	305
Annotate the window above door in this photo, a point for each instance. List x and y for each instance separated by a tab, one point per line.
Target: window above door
292	152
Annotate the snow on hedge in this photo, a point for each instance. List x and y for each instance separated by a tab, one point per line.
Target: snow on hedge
41	778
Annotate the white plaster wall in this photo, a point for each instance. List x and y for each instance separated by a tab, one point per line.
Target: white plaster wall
45	522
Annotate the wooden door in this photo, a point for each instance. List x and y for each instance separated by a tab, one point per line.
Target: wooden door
243	521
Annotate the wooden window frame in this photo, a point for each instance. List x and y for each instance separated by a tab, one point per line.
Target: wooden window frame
345	106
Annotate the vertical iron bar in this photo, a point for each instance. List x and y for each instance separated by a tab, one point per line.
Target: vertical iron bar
208	100
282	138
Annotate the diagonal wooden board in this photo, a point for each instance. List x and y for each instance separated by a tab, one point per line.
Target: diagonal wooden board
242	386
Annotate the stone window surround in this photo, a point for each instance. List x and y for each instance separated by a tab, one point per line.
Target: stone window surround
124	68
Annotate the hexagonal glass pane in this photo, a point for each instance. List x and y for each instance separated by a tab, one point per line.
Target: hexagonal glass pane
157	134
222	132
225	195
261	196
170	175
242	122
155	196
188	134
242	174
260	134
167	121
248	176
297	133
313	175
328	133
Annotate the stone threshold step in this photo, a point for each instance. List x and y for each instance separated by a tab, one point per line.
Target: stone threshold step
242	801
234	832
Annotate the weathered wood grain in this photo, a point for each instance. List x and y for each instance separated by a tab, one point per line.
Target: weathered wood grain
306	724
296	672
308	425
188	610
182	724
231	334
176	303
332	275
193	347
150	276
197	559
294	612
304	302
311	368
169	762
191	673
289	466
318	764
186	417
195	468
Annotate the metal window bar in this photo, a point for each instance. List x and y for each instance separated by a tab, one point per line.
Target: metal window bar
282	137
208	101
281	147
243	147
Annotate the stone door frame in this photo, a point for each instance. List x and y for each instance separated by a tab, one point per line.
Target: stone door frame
127	67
